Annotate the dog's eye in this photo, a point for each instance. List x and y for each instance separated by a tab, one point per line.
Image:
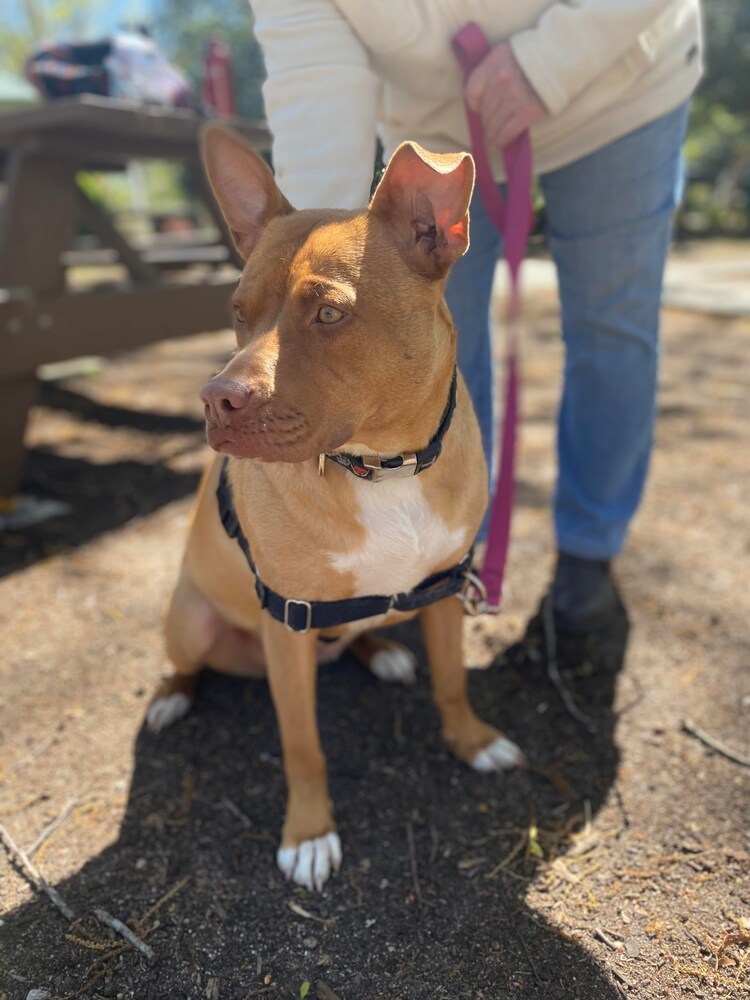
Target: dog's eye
329	314
239	319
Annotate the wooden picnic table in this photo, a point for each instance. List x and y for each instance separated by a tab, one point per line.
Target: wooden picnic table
42	319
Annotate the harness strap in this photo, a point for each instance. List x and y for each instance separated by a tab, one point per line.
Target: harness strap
513	220
301	616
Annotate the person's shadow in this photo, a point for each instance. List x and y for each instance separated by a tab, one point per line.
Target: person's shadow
438	860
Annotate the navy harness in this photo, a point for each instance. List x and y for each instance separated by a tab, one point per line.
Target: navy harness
302	616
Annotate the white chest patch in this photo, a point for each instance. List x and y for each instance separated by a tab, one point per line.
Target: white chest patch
404	538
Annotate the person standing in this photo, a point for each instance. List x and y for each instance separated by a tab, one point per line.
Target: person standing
603	86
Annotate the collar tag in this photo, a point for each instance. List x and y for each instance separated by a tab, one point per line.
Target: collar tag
321	464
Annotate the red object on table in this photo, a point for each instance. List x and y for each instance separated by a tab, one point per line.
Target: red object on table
218	92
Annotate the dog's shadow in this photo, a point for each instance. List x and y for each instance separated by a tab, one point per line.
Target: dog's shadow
430	900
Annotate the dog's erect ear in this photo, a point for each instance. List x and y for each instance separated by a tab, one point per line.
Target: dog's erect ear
243	185
426	196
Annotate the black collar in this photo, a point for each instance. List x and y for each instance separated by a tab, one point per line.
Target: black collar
411	463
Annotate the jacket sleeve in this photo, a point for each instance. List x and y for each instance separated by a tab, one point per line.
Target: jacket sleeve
575	41
321	99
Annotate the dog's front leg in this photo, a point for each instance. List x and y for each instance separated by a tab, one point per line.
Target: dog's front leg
470	739
310	847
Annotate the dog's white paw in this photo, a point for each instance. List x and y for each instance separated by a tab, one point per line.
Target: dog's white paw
312	862
394	665
164	711
501	755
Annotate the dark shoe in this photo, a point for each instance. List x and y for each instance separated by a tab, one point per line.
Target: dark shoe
584	597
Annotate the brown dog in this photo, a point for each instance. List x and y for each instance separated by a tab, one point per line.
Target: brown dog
345	348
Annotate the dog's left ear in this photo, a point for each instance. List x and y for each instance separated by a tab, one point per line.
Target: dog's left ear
243	185
426	196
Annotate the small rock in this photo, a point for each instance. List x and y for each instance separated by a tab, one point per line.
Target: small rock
38	995
691	846
310	942
632	948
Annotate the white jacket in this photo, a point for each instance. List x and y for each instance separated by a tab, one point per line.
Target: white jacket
340	70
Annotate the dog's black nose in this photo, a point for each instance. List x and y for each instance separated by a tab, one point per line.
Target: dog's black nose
221	397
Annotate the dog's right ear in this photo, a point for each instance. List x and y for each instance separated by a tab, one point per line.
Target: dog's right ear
243	184
425	197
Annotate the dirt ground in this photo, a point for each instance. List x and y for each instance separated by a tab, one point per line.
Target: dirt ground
622	870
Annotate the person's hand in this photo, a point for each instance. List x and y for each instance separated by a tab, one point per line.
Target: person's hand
505	100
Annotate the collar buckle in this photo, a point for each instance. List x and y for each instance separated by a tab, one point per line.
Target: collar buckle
405	470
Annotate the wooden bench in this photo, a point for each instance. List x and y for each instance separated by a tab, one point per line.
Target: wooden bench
41	319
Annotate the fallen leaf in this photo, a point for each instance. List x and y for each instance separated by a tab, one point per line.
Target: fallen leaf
324	992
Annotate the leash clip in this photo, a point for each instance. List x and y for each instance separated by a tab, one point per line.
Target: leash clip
473	595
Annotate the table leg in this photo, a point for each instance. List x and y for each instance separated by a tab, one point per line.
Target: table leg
37	222
17	398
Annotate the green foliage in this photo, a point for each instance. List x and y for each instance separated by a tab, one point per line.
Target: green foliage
718	144
43	19
183	30
162	189
727	80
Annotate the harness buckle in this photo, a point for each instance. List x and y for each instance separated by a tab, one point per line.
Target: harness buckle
473	595
406	470
308	615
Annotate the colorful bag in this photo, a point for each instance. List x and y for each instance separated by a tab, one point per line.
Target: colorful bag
128	66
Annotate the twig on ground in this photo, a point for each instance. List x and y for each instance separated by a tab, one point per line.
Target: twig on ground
553	671
125	932
714	744
35	877
435	839
556	778
51	827
511	856
621	804
623	979
236	812
177	887
530	960
413	862
302	912
610	943
353	883
99	970
37	751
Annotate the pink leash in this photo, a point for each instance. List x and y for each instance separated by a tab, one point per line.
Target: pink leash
513	220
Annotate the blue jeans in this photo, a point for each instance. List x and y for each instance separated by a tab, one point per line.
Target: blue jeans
609	219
